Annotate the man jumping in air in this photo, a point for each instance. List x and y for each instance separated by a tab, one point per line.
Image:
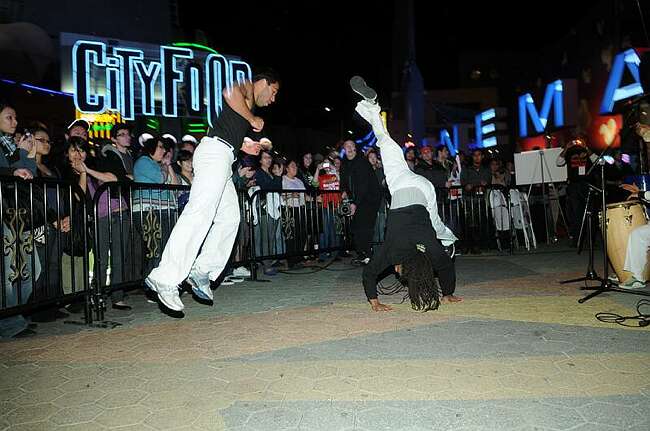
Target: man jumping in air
210	219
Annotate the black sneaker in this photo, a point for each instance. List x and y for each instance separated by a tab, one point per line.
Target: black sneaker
360	87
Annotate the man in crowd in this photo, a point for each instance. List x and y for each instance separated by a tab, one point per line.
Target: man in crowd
474	179
359	182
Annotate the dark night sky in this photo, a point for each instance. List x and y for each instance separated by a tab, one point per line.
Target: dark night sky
318	45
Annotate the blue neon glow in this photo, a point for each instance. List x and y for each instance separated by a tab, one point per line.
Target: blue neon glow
490	142
127	107
451	142
147	76
176	74
613	92
489	128
195	101
44	90
216	75
553	96
112	88
490	114
240	71
94	102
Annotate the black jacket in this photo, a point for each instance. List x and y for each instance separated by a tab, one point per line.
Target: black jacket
359	181
435	173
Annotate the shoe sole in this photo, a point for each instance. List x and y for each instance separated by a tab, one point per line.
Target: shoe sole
359	86
198	291
233	280
160	298
632	287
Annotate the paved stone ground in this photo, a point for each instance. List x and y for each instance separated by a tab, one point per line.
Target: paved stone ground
305	353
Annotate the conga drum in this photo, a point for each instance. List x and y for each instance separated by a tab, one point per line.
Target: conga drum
622	218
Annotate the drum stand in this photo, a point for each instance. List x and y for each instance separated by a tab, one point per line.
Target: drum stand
606	284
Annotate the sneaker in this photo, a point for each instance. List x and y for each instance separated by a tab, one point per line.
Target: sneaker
632	283
360	87
167	294
200	285
270	271
613	278
232	279
242	271
226	282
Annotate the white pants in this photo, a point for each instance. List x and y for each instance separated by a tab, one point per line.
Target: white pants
636	256
398	174
210	218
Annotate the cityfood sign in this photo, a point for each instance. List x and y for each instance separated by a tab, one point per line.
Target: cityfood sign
150	80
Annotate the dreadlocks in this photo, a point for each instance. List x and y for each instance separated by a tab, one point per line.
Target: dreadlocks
418	276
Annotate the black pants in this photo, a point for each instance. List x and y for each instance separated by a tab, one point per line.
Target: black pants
363	227
576	196
445	268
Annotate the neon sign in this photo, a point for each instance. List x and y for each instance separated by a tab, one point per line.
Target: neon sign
134	84
628	59
485	125
451	142
554	96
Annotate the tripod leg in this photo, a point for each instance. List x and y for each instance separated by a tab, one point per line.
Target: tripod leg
574	280
582	225
593	294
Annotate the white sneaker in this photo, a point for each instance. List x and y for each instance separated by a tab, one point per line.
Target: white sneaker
632	283
232	279
168	295
226	282
200	285
242	271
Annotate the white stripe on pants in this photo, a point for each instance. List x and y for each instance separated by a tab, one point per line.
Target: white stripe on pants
636	256
211	214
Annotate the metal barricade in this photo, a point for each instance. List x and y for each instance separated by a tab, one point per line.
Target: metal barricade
46	243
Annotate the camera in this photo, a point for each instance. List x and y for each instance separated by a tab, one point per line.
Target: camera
345	208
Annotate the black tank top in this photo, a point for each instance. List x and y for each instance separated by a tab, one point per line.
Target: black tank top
231	127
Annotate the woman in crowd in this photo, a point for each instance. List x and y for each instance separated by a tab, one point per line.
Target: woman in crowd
268	226
186	172
154	209
15	161
110	211
296	213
